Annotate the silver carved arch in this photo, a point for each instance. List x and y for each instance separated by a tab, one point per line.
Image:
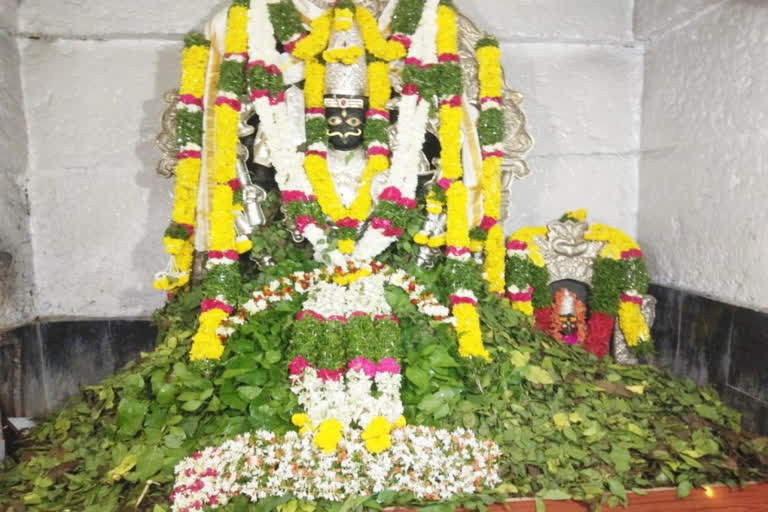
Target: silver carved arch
569	256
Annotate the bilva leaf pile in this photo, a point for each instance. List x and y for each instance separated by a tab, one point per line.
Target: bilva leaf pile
570	426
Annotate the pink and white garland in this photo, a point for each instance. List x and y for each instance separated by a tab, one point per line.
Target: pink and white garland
430	464
353	396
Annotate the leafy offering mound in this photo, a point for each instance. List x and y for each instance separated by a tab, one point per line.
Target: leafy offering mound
569	425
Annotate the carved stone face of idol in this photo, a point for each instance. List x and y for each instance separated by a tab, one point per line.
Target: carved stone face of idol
345	116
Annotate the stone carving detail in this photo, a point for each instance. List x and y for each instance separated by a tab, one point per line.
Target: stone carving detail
166	139
566	253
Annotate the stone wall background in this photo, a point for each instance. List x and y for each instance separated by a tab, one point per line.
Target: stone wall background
704	172
16	266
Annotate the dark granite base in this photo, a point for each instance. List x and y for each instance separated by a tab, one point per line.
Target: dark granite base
716	344
44	364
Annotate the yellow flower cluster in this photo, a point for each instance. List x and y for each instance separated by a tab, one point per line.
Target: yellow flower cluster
168	283
433	242
374	41
450	141
447	30
346	246
468	329
317	40
527	235
616	241
346	56
577	215
322	185
434	206
457	229
222	218
302	421
350	278
633	324
206	343
342	19
492	187
194	62
314	84
494	245
193	67
227	120
236	40
328	435
177	248
376	435
243	245
489	72
524	307
494	259
379	87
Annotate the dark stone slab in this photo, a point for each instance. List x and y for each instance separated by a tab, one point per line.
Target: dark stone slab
666	328
703	347
34	400
10	372
754	413
75	354
749	354
129	339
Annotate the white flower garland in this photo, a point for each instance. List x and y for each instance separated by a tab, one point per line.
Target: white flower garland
351	400
302	282
430	464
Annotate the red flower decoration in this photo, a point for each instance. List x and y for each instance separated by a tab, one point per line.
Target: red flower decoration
600	330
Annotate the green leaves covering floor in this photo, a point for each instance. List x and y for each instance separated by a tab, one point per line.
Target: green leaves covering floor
570	426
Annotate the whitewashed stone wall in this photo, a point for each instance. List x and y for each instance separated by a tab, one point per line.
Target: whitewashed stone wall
93	87
704	173
581	74
16	270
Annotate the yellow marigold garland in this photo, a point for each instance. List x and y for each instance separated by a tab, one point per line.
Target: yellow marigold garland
457	230
468	330
179	238
379	88
489	71
616	241
633	324
342	19
447	31
387	50
317	40
463	301
527	235
314	84
450	141
222	257
347	56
